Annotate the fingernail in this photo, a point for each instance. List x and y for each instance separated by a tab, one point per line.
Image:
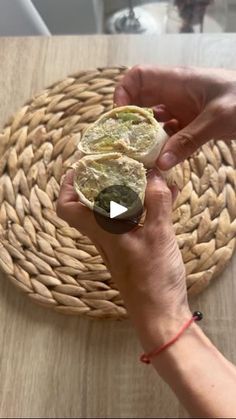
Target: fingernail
167	161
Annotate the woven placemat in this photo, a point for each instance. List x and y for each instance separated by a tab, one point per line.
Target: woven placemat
56	265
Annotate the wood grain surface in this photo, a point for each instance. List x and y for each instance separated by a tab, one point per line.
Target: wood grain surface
56	366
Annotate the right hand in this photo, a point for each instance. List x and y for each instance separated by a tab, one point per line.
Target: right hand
201	101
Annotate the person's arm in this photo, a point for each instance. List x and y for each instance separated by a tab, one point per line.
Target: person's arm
147	267
201	103
202	379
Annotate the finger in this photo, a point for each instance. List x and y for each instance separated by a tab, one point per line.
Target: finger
121	96
158	200
67	192
171	127
174	192
71	210
161	113
185	142
127	91
150	85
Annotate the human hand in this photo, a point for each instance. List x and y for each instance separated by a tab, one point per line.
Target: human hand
146	263
198	103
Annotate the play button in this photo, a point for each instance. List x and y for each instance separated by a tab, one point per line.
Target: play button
116	209
122	209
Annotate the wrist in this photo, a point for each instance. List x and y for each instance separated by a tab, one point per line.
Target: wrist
184	355
154	332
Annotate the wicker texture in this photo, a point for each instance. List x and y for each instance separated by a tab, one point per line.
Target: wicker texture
56	265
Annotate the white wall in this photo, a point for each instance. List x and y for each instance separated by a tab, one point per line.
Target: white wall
20	18
71	16
231	27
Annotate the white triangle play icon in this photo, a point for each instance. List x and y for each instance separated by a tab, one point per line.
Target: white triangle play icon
116	209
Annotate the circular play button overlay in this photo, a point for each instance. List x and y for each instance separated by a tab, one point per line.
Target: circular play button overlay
118	209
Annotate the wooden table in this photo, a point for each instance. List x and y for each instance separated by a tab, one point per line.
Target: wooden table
56	366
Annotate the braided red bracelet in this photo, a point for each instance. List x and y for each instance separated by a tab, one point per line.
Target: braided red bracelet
146	358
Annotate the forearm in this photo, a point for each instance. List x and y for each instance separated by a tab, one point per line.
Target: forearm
203	380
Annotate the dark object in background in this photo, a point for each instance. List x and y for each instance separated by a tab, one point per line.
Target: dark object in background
192	12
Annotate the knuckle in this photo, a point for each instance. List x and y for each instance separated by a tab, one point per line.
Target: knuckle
224	110
162	232
225	114
186	142
179	71
158	234
219	110
136	73
162	195
138	68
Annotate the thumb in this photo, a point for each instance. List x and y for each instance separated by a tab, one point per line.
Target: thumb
158	200
185	142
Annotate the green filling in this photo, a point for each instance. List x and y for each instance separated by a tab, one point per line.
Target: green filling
129	116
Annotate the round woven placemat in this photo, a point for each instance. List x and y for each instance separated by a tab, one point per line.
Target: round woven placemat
56	265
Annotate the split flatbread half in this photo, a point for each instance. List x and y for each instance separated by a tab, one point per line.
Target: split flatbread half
117	150
96	173
129	130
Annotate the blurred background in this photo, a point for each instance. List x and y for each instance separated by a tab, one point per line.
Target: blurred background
62	17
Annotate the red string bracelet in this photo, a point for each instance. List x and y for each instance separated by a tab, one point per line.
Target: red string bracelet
146	358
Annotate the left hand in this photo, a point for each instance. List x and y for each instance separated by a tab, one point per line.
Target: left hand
146	263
